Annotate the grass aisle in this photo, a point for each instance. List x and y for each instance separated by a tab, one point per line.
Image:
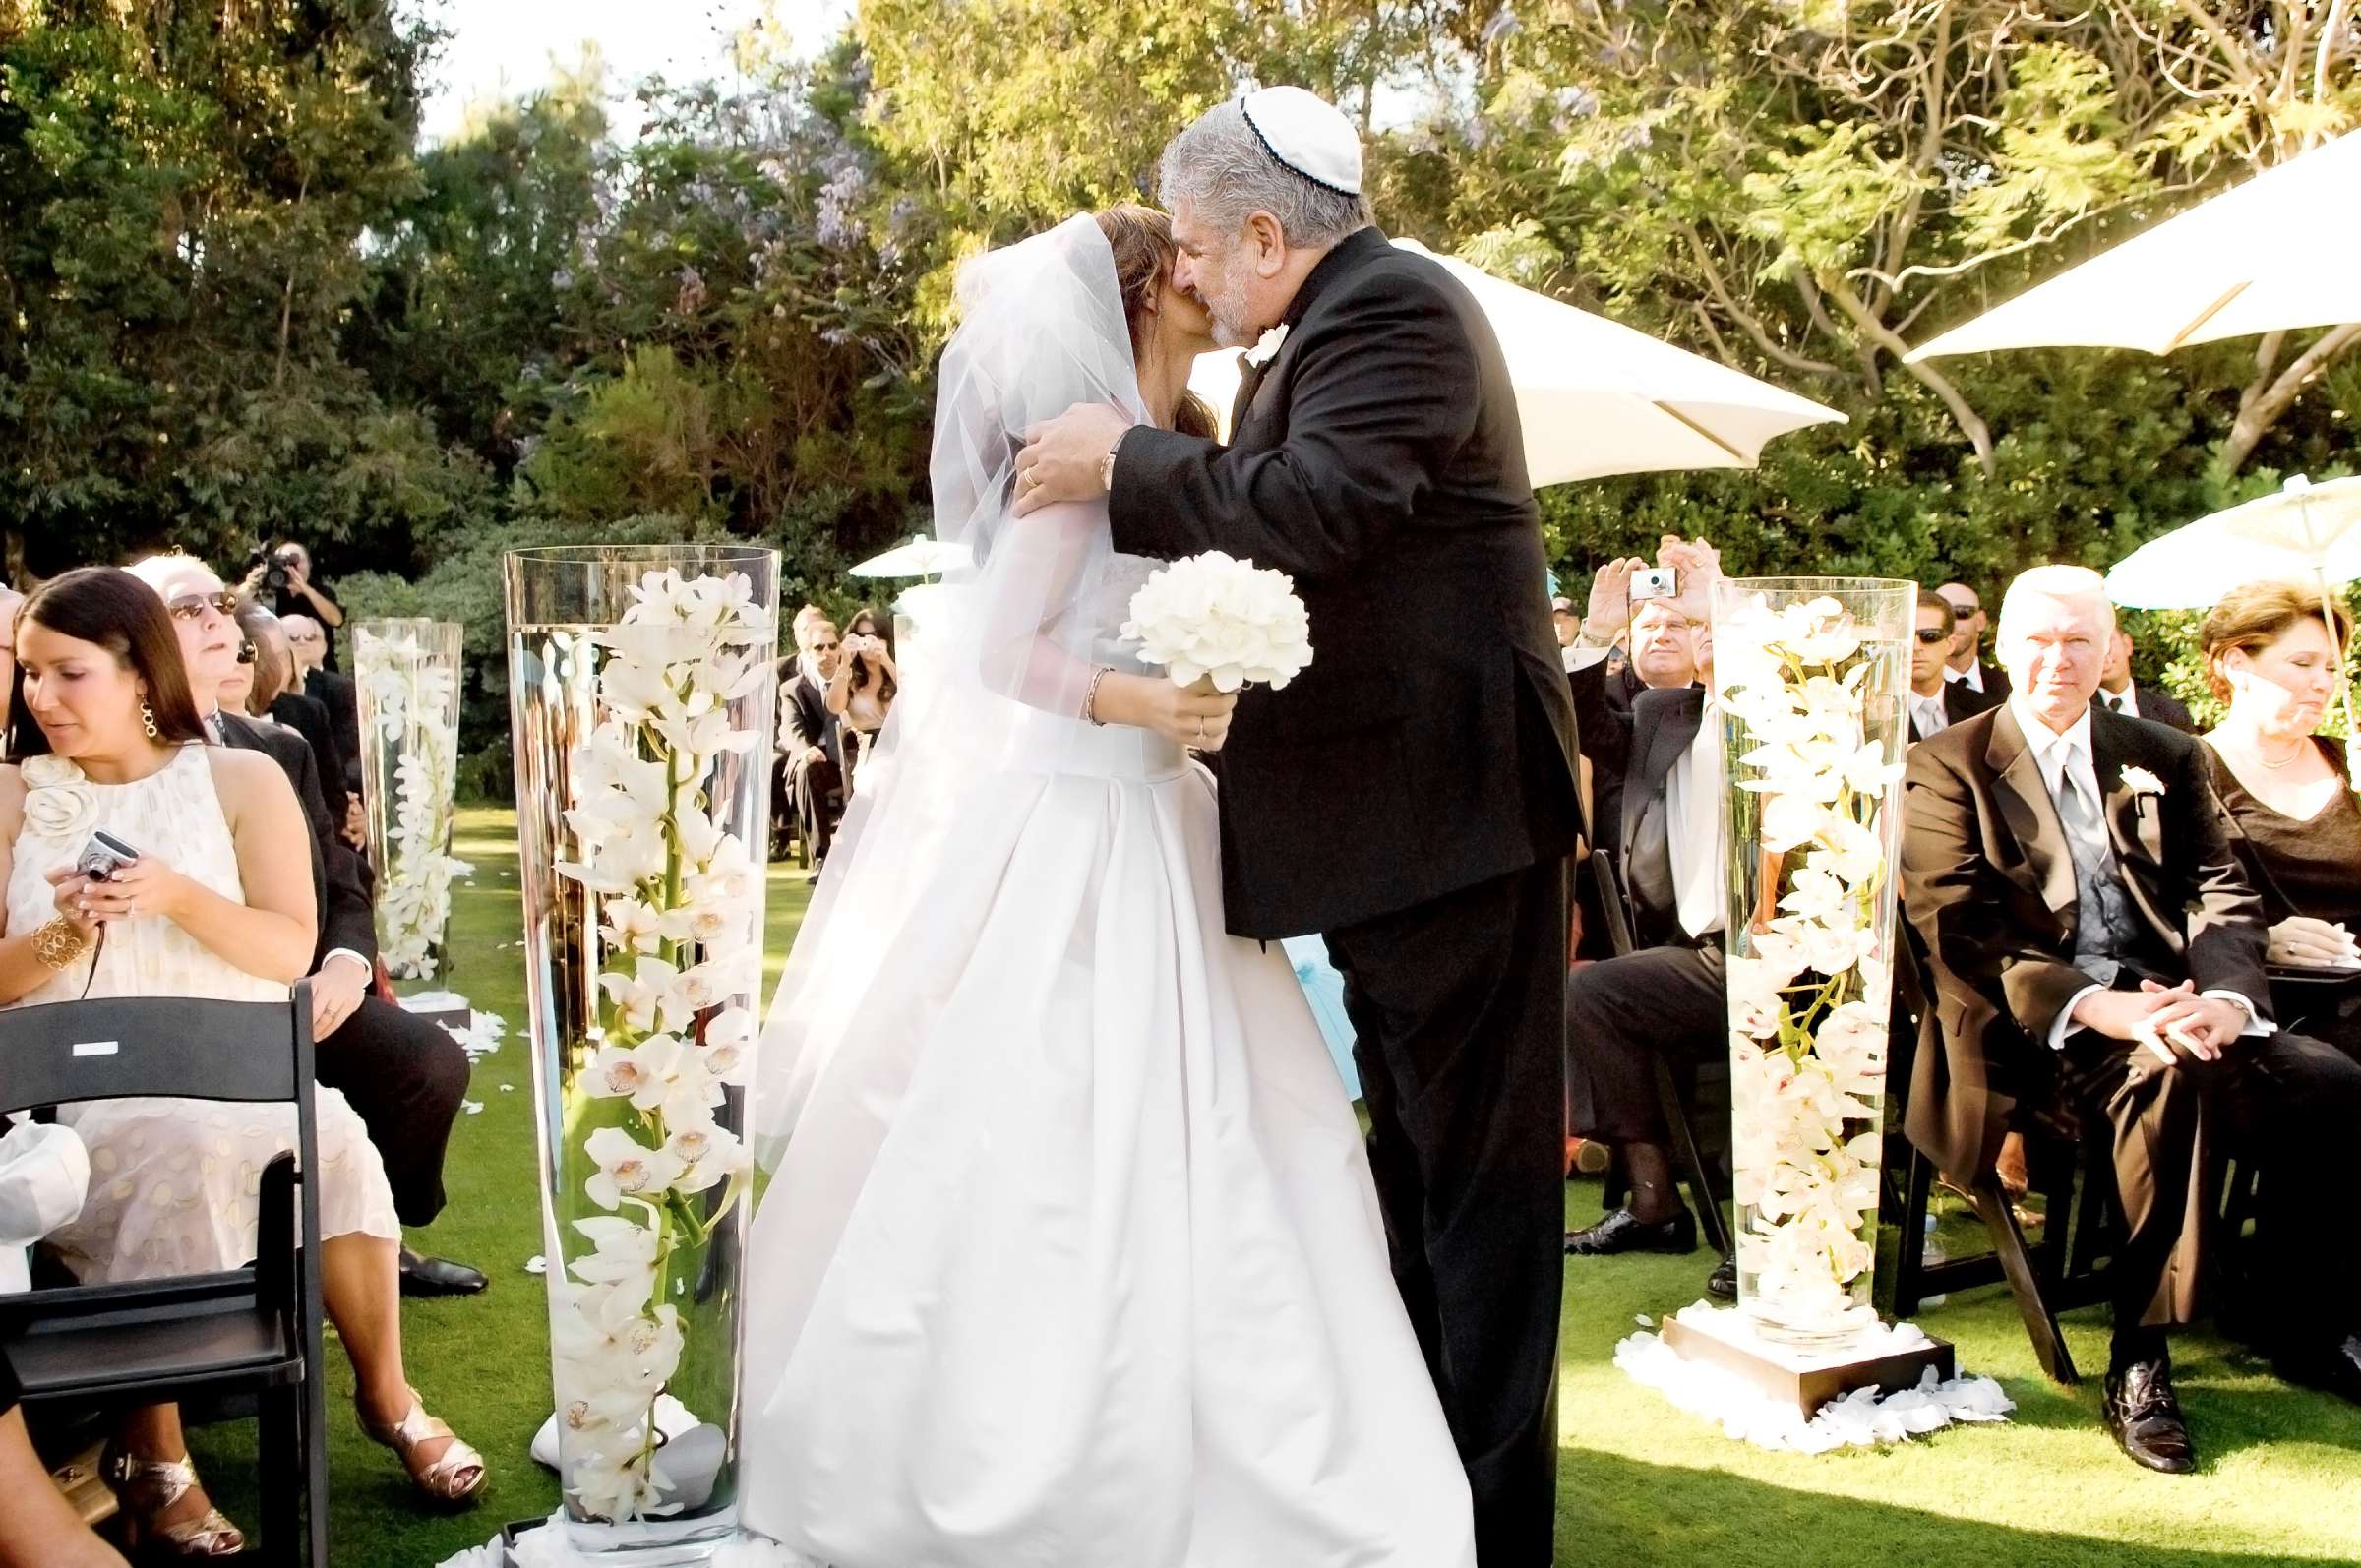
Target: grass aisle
1640	1483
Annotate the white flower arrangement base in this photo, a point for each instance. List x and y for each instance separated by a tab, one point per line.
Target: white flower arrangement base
1695	1364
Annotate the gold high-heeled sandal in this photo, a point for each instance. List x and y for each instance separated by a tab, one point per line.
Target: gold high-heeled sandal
455	1478
146	1488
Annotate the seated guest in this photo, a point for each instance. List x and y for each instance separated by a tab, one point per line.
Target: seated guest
1967	644
219	904
2295	820
2093	939
332	689
1568	622
2118	693
404	1076
810	738
276	697
1666	995
1937	702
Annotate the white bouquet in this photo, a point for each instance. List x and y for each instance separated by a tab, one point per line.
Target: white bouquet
1215	617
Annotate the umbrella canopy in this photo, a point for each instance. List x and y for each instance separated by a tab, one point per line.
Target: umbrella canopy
925	556
1597	397
2304	533
2274	253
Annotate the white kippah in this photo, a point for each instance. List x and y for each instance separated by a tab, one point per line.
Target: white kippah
1309	135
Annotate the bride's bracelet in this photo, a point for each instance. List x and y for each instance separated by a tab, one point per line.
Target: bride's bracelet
1090	699
57	945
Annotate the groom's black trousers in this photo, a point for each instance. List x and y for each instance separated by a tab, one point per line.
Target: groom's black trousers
1458	1005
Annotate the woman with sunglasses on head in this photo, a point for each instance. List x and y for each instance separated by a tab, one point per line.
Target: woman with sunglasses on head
105	737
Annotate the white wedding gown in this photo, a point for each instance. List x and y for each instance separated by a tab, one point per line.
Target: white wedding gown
1073	1261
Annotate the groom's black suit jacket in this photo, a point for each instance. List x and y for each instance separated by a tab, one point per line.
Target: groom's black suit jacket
1989	883
1378	461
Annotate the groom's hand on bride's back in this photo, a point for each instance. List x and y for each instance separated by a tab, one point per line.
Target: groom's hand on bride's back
1065	459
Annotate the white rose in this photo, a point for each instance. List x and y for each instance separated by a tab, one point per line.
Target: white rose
65	808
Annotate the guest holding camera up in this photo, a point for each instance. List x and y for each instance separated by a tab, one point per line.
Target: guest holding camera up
2293	816
281	577
207	896
1667	996
862	689
405	1077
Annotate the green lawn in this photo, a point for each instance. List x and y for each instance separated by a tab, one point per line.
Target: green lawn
1639	1481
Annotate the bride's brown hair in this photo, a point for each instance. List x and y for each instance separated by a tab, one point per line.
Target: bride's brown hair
1145	252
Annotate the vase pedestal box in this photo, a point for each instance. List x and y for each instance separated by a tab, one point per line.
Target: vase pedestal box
1806	1380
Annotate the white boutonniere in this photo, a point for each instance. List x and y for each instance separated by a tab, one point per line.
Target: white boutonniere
2140	781
1267	349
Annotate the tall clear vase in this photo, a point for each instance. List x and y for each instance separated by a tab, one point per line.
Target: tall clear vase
406	678
642	696
1811	676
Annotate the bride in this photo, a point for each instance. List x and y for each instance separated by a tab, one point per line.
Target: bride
1069	1255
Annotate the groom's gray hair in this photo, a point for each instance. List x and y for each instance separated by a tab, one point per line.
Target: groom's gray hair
1220	167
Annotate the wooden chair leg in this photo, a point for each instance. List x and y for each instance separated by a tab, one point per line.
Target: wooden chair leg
1692	1158
2024	1281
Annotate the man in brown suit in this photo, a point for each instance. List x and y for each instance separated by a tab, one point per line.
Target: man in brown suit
2093	939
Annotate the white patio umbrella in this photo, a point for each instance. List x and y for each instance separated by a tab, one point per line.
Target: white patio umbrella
2303	533
925	556
1594	396
2274	253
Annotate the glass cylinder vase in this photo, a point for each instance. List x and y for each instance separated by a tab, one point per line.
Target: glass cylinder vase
1811	677
642	694
407	682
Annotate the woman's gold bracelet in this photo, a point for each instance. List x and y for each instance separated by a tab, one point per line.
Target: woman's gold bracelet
1090	699
58	943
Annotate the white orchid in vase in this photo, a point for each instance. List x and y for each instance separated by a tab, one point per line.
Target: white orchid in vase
409	694
1807	695
674	899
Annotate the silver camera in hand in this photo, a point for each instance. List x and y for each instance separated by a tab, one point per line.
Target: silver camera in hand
1653	582
103	856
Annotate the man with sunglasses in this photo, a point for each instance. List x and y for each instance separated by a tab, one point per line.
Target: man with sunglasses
810	739
403	1075
1938	702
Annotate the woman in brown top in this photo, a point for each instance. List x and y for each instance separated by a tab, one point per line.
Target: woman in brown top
2270	657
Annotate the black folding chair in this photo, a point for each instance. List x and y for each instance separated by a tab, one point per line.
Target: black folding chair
246	1333
1700	1171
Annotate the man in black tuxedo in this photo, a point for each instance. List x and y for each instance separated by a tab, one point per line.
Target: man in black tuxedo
1988	681
307	716
1937	701
810	739
1411	795
1661	817
403	1075
2093	939
334	690
2118	693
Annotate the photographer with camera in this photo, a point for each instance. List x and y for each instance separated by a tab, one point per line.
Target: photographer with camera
862	689
281	578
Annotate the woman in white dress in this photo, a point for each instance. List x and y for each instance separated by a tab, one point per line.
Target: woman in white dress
105	736
1070	1257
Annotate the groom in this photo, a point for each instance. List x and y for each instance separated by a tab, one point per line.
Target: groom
1411	796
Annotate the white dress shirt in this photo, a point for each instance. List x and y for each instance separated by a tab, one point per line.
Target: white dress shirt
1929	716
1699	830
1973	675
2067	754
2125	702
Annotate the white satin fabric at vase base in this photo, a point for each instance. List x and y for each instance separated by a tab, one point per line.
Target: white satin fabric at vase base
1073	1261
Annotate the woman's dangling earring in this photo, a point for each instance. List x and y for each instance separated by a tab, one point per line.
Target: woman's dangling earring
147	721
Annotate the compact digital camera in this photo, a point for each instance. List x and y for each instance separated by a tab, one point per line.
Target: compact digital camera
1653	582
103	856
